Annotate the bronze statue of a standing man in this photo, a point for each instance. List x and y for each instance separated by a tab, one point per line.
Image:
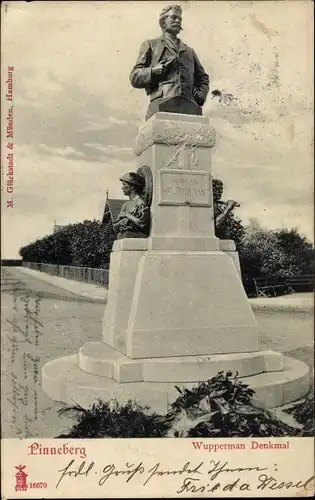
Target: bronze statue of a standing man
167	67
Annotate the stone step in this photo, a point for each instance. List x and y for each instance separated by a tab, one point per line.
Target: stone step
100	359
64	381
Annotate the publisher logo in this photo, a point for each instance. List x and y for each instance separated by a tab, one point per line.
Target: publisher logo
20	478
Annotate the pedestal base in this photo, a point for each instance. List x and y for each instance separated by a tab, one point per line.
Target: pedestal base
99	359
173	303
64	381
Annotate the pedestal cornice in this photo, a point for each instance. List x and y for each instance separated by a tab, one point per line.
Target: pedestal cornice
167	128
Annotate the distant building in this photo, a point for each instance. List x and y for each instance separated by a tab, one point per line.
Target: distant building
57	227
112	209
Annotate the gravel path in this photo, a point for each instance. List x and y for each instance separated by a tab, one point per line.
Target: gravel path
66	322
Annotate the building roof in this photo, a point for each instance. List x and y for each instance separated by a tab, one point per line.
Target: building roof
57	227
112	209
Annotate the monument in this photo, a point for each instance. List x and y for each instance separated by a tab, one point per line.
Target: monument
177	312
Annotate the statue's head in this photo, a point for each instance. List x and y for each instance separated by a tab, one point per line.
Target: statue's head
171	19
217	189
132	182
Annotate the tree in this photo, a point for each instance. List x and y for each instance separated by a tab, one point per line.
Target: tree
258	255
297	250
87	243
273	254
91	244
52	249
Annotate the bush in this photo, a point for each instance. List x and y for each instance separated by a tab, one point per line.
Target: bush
224	405
92	243
304	414
220	407
279	254
88	243
111	419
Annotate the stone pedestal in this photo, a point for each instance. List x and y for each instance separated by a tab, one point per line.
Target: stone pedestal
178	293
177	310
171	303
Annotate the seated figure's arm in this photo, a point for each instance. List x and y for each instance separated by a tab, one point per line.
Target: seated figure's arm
221	217
117	224
140	217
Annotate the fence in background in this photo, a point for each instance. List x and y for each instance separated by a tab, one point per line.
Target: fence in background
76	273
264	287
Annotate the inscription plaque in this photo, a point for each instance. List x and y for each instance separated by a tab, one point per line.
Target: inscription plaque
185	187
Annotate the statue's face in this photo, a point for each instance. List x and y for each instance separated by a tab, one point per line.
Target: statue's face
217	191
126	188
173	22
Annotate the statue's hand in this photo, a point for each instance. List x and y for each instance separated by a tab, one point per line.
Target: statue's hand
123	223
199	97
159	69
230	204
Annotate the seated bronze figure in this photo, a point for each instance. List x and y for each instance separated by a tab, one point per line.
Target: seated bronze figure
133	220
222	210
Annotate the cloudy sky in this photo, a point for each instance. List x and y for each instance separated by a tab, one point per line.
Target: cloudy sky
76	116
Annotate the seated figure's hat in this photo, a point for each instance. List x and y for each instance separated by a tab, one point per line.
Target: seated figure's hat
133	179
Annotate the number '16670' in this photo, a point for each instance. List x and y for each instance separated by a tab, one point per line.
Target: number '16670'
38	485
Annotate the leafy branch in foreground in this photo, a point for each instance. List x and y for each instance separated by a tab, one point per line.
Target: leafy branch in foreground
111	419
223	405
220	407
303	413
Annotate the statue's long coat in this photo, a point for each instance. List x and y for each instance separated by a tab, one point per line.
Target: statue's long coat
185	76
